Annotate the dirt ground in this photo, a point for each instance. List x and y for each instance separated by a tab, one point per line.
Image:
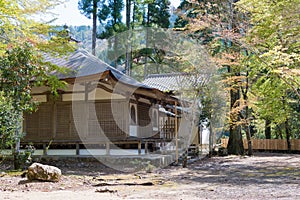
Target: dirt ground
263	176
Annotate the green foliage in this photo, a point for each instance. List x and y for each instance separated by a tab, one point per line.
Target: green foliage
257	42
137	13
113	18
23	44
87	6
24	158
180	23
156	13
18	68
97	9
9	117
273	38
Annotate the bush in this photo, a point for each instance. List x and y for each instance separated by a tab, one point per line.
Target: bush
9	123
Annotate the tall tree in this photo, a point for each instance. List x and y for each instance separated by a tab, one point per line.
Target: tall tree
235	143
128	27
23	43
113	26
137	14
95	9
216	25
156	14
274	40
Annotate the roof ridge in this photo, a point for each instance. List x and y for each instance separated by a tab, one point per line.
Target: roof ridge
166	74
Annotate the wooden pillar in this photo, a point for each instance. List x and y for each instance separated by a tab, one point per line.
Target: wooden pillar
107	145
176	132
44	149
146	148
139	147
54	118
86	111
77	149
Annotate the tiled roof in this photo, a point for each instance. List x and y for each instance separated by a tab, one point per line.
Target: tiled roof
172	81
82	63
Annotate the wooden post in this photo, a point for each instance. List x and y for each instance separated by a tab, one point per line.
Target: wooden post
146	147
107	145
54	116
77	149
139	147
45	149
176	132
86	111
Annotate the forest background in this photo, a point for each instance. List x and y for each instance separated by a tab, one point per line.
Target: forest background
253	43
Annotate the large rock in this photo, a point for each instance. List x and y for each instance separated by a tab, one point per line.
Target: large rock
38	171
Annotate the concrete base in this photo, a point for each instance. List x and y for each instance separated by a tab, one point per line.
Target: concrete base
125	163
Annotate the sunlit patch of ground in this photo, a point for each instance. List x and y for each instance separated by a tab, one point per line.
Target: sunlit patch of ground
263	176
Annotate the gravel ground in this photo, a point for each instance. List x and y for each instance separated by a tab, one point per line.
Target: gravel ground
263	176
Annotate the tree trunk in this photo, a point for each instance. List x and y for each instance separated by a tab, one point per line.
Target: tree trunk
128	54
286	124
246	116
280	133
287	132
116	41
133	14
94	34
147	44
235	144
211	137
268	129
115	46
16	150
248	132
248	135
128	12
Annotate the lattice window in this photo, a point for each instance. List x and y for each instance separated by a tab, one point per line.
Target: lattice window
39	125
63	120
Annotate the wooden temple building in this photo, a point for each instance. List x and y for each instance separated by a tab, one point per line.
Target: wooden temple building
100	106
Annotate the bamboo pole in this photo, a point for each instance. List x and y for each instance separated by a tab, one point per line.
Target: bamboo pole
176	131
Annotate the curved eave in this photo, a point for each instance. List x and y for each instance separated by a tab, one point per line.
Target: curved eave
138	89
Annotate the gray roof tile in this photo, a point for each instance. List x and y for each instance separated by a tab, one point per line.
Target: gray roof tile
172	81
82	63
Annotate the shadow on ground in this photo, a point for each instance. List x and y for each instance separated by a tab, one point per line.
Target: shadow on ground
233	170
